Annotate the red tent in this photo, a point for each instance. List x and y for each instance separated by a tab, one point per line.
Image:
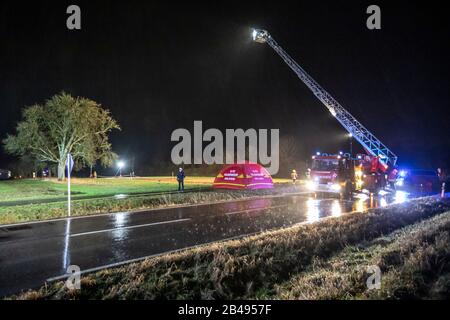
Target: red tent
243	176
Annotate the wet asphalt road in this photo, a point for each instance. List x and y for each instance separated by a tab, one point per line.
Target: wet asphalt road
33	253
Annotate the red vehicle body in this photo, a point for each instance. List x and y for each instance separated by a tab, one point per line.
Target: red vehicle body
343	174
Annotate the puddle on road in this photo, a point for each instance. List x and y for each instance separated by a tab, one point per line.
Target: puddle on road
301	208
321	207
317	208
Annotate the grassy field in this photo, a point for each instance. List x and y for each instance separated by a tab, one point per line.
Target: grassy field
31	189
409	242
34	189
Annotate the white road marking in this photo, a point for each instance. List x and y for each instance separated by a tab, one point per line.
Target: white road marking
129	227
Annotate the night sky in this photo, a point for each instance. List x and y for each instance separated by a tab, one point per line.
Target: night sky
159	66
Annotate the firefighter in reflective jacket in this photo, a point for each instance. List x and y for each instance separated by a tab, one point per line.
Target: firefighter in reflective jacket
294	176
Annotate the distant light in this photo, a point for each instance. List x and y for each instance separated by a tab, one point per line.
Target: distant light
359	157
402	173
336	187
401	196
317	153
120	164
350	135
260	35
341	153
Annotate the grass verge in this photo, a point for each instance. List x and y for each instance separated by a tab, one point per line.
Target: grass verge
253	267
414	264
33	212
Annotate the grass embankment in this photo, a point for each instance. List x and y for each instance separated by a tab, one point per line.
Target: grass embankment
33	212
414	262
281	264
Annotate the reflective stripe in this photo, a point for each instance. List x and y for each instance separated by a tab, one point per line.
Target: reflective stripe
229	184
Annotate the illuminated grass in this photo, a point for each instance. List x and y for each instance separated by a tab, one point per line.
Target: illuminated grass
260	266
34	189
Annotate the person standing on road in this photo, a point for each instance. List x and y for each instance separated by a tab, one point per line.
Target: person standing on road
180	179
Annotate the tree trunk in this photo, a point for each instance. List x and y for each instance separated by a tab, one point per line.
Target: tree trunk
61	171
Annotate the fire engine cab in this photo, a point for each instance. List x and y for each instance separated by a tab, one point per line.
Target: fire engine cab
343	174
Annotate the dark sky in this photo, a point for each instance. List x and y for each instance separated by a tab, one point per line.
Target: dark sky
161	65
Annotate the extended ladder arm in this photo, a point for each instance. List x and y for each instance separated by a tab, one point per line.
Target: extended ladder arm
349	122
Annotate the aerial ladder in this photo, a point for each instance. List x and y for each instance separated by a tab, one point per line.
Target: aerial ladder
372	145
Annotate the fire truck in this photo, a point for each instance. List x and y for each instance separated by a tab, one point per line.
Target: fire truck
342	173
